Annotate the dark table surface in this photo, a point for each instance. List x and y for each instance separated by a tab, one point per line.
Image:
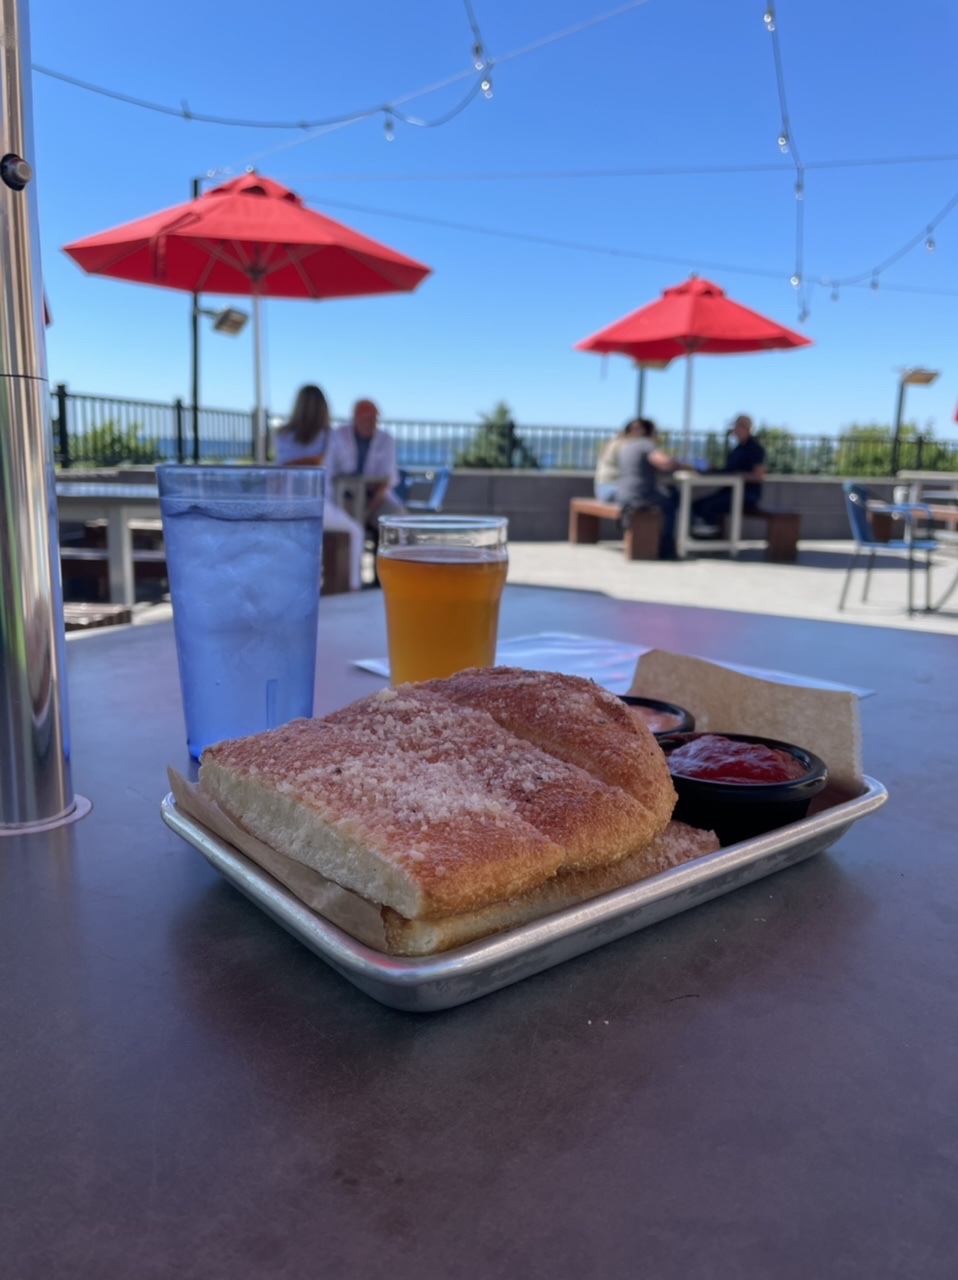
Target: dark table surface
765	1087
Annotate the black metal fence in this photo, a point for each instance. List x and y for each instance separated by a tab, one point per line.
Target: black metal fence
103	431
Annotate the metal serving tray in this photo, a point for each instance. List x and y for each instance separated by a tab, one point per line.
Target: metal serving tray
455	977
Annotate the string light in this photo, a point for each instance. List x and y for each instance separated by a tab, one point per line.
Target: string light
834	295
769	18
477	59
795	281
803	315
799	189
783	141
486	85
608	251
925	237
388	128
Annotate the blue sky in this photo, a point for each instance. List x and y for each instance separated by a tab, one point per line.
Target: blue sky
667	83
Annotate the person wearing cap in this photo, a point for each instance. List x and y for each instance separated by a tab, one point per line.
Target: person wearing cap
747	458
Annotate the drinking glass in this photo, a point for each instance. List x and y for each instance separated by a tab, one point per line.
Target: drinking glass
243	553
442	577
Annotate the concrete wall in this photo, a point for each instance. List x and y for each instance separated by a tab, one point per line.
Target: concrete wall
537	503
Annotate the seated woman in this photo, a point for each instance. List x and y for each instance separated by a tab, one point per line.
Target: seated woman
304	442
643	468
607	465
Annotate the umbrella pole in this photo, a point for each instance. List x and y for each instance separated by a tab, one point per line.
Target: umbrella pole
259	435
640	405
687	411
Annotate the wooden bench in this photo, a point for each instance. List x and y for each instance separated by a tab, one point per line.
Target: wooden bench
781	532
82	617
641	539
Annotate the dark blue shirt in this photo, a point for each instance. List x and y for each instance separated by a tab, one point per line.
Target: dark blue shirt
362	448
745	457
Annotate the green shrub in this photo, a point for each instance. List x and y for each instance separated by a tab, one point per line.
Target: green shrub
497	444
109	445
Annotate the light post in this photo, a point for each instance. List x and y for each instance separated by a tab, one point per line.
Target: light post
228	320
907	377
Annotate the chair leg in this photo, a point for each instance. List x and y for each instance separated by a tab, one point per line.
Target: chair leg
927	582
848	577
868	576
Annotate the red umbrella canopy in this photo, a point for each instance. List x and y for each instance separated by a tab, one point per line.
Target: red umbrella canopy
248	235
693	317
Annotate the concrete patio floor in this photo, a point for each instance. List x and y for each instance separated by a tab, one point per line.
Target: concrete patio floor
748	584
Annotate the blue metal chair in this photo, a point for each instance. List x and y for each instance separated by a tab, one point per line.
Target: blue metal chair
859	505
437	478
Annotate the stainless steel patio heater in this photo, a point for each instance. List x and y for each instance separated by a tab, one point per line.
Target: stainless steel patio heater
35	787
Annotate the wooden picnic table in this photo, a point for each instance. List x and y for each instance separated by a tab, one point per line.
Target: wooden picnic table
762	1087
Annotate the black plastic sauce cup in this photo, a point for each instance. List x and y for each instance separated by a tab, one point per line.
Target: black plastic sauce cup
739	810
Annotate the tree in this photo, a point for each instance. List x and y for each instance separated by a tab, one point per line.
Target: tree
108	445
497	444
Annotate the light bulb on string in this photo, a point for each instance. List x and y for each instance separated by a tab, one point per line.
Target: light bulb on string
478	60
795	280
834	295
930	242
799	190
874	284
783	141
769	18
803	315
486	85
388	129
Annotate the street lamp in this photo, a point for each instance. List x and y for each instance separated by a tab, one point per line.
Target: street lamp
907	377
228	320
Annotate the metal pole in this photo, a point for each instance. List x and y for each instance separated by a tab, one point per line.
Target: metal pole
178	414
259	434
687	410
640	403
35	786
899	408
63	426
195	358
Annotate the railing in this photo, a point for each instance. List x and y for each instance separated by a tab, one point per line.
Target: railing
106	431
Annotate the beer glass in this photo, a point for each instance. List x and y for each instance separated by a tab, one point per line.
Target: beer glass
442	577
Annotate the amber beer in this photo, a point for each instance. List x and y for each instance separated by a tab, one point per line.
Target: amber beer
442	578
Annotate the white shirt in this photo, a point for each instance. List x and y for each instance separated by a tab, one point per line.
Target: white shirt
343	456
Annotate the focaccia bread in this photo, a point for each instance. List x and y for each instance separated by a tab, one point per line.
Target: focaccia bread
573	719
433	806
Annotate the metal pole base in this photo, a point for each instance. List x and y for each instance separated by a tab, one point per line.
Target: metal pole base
79	809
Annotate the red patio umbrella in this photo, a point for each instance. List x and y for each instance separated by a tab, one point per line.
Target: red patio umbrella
248	236
692	318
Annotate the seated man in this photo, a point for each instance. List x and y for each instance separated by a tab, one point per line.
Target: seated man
643	468
748	459
361	449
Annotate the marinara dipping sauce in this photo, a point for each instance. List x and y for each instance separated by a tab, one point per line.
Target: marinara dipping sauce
717	759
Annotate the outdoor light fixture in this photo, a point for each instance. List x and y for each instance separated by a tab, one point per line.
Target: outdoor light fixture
917	377
229	320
